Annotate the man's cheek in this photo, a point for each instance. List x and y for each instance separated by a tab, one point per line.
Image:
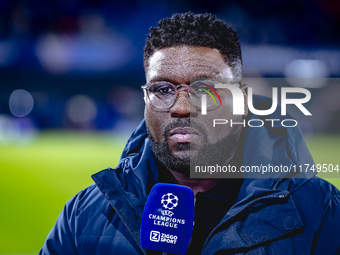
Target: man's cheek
154	124
217	123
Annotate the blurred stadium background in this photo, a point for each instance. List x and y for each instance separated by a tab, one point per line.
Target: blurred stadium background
70	76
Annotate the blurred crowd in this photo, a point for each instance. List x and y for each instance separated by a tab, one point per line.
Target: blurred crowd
72	64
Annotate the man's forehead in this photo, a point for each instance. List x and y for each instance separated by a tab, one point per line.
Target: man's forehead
187	61
183	54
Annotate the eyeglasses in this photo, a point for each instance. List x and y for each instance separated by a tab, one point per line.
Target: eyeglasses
164	94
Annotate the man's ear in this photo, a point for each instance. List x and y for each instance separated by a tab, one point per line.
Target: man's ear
244	88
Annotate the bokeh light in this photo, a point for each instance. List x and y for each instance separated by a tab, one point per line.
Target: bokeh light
81	109
20	103
306	73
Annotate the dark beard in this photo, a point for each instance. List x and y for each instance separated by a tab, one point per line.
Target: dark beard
210	154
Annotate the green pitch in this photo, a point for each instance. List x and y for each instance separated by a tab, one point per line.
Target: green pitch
37	179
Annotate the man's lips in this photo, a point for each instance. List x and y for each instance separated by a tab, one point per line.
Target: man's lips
183	134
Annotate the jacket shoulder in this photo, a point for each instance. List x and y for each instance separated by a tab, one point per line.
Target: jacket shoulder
316	194
318	203
99	227
88	198
63	237
319	188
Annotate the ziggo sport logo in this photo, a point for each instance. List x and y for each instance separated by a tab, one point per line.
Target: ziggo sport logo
238	105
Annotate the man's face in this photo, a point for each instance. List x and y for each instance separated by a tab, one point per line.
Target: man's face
180	134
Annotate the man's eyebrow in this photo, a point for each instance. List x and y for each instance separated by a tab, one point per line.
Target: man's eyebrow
199	78
214	77
160	78
212	71
203	77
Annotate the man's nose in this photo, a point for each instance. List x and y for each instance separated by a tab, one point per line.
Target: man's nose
183	108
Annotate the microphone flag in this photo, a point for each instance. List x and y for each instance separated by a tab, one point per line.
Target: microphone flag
168	218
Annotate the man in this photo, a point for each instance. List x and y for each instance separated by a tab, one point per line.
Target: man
284	215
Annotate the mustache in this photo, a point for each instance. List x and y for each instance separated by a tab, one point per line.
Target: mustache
184	123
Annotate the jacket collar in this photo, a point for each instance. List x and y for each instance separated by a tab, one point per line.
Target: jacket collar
126	187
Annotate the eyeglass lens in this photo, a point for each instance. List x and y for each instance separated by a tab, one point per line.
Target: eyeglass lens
164	94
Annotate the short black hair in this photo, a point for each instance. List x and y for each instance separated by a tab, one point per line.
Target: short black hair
204	30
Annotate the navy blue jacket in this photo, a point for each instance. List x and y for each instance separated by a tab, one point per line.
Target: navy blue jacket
299	214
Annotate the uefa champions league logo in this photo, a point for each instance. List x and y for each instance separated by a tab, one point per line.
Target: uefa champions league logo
169	201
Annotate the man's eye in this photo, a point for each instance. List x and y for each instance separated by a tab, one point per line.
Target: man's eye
164	90
202	87
202	90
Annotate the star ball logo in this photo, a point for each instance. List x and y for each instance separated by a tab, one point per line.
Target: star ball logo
169	201
238	104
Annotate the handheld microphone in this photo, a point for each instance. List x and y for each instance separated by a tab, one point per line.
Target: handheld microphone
168	218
